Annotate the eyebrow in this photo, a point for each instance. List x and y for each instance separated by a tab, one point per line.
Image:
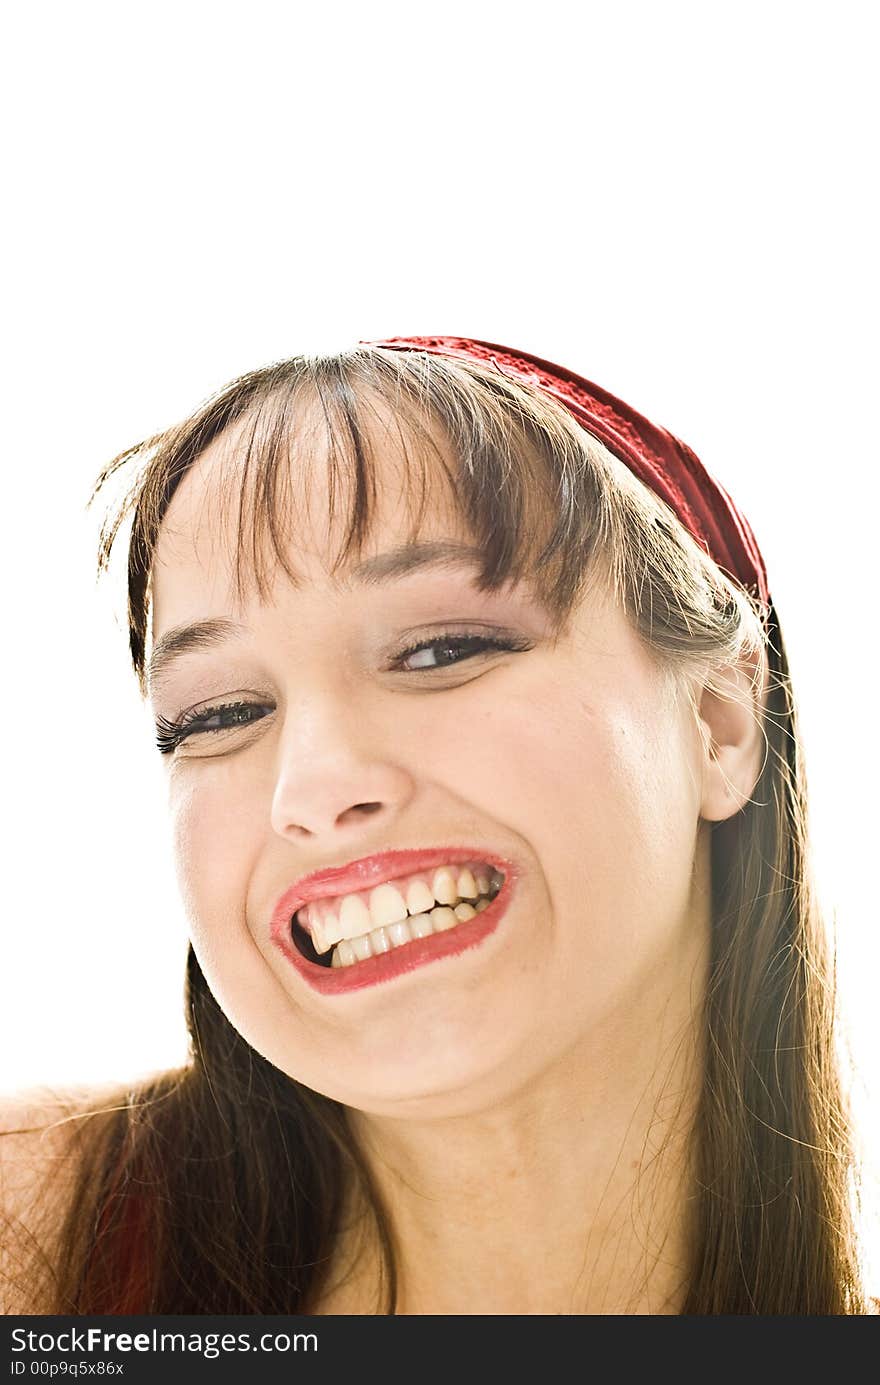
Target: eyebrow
382	568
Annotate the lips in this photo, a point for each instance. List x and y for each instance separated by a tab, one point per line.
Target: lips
373	870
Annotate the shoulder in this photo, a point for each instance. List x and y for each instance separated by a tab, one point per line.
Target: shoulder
42	1137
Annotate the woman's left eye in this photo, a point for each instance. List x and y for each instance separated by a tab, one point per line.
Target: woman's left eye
454	649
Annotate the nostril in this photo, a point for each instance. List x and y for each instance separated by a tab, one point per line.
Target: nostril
357	811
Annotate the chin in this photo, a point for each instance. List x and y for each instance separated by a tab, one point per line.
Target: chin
428	1089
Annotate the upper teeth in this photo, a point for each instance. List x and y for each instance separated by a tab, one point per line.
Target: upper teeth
351	915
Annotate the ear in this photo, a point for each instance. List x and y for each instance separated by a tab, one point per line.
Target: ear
730	712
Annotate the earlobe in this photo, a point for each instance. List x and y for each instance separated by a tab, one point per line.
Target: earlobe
730	713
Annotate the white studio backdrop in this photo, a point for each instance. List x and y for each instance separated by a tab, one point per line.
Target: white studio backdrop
671	199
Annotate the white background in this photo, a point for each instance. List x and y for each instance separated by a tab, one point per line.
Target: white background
674	199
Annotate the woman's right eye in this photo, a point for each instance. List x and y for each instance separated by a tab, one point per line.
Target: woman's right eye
210	720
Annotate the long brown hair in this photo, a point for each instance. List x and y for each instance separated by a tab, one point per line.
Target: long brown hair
220	1188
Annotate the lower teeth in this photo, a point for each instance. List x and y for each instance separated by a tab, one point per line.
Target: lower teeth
438	920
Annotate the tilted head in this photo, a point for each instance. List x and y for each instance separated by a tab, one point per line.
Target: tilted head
452	619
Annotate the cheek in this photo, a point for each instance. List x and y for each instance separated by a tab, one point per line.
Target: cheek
215	843
218	830
603	796
627	851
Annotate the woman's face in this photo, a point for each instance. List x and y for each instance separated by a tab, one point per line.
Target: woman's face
569	758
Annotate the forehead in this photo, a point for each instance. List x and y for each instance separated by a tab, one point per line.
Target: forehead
244	509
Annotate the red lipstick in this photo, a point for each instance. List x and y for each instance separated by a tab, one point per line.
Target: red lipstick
374	870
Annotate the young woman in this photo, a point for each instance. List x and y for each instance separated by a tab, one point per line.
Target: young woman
507	988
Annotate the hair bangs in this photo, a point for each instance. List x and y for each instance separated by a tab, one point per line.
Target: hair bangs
514	469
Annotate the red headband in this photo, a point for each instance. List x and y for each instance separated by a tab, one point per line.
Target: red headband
657	458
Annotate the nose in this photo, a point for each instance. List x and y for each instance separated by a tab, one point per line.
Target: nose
335	778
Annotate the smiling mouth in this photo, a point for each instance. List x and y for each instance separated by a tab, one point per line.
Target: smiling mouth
443	917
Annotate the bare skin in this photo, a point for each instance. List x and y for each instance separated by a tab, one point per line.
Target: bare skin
525	1105
491	1209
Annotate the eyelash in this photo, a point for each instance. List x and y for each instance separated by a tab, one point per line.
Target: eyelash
171	734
